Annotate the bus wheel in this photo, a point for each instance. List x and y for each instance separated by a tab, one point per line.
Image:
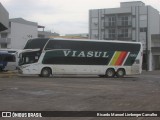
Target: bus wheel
46	72
110	72
120	72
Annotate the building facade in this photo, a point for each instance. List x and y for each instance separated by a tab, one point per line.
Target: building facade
80	35
18	33
155	38
4	23
4	18
14	33
132	21
47	34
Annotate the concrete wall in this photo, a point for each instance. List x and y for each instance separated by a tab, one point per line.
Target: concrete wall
131	4
20	33
154	21
118	10
93	26
4	18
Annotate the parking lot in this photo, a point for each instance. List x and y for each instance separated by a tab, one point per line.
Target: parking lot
80	93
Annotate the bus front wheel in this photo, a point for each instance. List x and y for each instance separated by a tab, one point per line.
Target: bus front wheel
46	72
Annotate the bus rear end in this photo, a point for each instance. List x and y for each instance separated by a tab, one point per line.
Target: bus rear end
136	68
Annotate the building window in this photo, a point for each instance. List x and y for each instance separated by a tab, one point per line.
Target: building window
95	21
41	36
123	33
124	20
143	29
10	24
4	35
112	21
3	45
112	33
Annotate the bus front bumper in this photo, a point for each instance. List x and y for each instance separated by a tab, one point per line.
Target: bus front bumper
30	69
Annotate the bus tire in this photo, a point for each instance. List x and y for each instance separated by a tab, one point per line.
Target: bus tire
46	72
110	72
120	72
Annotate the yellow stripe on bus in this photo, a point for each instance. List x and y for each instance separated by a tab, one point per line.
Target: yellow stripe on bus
115	58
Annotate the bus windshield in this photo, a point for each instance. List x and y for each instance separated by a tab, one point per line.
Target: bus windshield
28	57
38	43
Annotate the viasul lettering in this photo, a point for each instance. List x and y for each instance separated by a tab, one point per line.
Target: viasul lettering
70	53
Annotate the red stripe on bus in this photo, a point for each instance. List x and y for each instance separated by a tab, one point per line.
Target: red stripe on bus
121	58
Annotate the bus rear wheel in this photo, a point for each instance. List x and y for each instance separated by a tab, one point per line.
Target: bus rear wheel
120	72
110	72
46	72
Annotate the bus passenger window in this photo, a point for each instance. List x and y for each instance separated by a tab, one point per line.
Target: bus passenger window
10	58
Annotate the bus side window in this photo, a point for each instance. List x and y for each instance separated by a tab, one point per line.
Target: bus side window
27	60
10	58
1	58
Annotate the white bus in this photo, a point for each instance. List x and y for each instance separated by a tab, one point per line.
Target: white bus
46	57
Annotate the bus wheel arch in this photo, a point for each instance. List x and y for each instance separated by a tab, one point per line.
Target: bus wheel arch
120	72
110	72
46	72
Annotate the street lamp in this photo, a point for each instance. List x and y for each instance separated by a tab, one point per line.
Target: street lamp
146	30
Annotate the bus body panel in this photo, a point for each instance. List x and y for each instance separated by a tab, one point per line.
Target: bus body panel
76	69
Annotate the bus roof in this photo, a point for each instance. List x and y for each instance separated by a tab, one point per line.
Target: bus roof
9	50
113	41
40	43
5	53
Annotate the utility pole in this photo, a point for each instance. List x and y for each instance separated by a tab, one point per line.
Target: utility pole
146	30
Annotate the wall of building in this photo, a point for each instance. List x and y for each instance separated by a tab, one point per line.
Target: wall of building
155	51
153	24
131	4
46	34
20	33
4	24
4	18
145	21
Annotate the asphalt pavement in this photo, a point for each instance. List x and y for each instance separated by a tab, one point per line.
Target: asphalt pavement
80	93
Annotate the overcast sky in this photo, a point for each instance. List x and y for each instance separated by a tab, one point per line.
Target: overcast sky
62	16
